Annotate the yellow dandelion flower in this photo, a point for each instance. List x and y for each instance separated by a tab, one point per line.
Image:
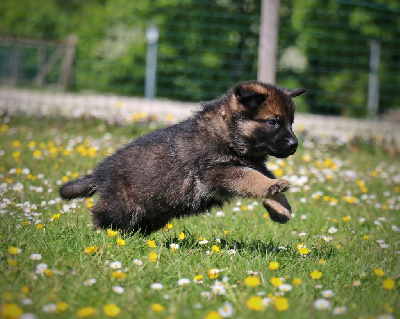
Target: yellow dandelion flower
276	282
181	235
25	290
39	226
213	273
8	296
14	250
213	315
346	218
297	281
37	154
315	274
153	256
3	128
198	278
281	304
56	216
11	311
365	237
91	249
255	303
16	154
120	242
111	310
215	248
252	281
306	158
151	243
61	306
118	275
157	308
169	226
111	233
278	172
273	265
379	272
304	251
85	312
48	273
388	284
12	262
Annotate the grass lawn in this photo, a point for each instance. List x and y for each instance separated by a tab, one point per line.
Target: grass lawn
338	257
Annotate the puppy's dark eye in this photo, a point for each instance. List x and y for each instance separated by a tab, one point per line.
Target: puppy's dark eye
272	122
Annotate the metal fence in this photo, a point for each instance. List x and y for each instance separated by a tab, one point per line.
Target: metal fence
344	52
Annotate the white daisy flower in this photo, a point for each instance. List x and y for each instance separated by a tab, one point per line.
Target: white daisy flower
89	282
220	214
40	268
183	282
327	293
156	286
138	262
116	265
332	230
226	310
322	304
36	257
285	287
339	310
117	289
50	308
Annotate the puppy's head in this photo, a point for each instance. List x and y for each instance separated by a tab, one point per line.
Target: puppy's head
263	116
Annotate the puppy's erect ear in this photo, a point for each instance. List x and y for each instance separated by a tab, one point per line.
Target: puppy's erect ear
294	93
249	98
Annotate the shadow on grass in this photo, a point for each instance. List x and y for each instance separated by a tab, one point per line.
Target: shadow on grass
243	246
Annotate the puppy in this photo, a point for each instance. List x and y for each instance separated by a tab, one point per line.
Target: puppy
214	156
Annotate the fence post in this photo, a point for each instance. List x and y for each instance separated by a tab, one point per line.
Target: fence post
67	63
373	81
268	42
151	61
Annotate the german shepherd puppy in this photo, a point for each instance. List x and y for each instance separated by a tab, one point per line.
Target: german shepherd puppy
212	157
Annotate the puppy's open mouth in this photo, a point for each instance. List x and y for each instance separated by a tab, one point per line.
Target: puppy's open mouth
282	154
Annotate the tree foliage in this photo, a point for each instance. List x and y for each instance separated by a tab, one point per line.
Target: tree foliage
205	46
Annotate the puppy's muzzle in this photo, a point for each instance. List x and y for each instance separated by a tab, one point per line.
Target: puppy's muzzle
292	144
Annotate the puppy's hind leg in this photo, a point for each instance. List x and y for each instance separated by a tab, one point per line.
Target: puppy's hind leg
278	208
101	215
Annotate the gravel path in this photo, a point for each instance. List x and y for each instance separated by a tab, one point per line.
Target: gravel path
122	109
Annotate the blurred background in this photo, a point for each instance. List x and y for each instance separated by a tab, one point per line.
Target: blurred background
346	53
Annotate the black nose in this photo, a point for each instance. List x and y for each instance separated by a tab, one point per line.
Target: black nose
292	144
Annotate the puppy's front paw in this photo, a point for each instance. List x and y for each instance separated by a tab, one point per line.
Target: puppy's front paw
278	187
278	208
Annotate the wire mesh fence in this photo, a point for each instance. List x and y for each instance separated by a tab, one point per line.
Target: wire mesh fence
344	52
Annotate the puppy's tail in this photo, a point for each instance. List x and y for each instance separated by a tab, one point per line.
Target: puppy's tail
83	187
